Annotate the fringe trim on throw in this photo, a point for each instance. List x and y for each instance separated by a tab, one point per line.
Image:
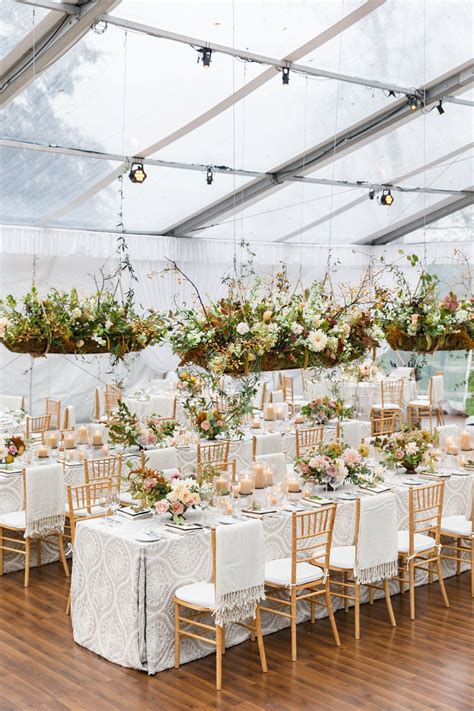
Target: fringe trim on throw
238	605
43	527
377	572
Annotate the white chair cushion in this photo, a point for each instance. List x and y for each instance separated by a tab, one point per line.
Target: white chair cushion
278	572
200	594
342	557
421	542
420	403
456	524
15	519
386	406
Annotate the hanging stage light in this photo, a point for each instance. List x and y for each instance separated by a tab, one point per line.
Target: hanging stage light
413	102
371	193
206	53
440	108
137	173
209	176
386	198
285	75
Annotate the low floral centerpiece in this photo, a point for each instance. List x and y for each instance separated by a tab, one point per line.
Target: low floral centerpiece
11	446
363	372
420	320
266	325
63	322
184	495
148	486
408	449
210	423
157	431
323	409
333	463
126	429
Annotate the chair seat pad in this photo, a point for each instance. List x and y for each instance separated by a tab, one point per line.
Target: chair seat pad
15	519
342	557
419	403
421	542
457	525
278	572
386	406
199	594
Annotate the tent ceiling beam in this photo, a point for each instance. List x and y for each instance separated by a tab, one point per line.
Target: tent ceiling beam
418	220
48	41
202	168
326	36
346	141
359	200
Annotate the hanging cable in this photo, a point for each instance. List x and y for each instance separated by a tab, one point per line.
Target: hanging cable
305	104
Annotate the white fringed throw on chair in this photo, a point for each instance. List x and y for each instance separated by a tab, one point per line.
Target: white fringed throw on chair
377	550
44	501
240	571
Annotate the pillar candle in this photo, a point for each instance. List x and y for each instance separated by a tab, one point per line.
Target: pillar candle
255	424
52	440
299	419
269	412
259	472
82	433
246	485
42	452
465	441
69	442
220	484
97	439
236	490
293	486
268	477
279	413
451	447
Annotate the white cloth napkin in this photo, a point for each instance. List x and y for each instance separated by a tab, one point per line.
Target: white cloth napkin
437	389
277	396
377	549
11	402
268	443
240	571
351	433
69	417
159	459
278	460
402	372
44	500
161	405
469	504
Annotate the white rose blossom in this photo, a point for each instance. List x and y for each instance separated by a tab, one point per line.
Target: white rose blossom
242	328
317	340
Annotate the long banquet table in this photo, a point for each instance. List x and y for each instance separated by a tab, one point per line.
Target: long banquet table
122	588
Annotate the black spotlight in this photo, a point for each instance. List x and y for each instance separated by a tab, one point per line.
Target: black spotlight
285	75
137	173
206	53
386	198
440	108
209	176
371	193
413	102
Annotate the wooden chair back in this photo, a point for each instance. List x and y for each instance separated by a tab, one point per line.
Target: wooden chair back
87	500
263	395
37	425
111	403
229	468
391	391
311	537
96	407
53	408
382	422
288	387
215	453
425	510
308	438
104	468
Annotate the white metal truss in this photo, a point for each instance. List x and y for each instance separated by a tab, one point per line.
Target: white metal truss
418	220
48	41
248	88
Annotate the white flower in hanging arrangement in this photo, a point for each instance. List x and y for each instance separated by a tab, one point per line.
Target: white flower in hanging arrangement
242	328
317	340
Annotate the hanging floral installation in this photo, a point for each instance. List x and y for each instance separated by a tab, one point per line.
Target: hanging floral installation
264	325
419	320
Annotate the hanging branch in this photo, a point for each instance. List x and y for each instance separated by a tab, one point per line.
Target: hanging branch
125	264
174	267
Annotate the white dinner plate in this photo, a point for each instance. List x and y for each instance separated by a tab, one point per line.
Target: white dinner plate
346	496
413	482
228	520
148	538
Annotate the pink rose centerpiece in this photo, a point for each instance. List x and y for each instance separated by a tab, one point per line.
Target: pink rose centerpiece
323	409
408	449
333	463
184	495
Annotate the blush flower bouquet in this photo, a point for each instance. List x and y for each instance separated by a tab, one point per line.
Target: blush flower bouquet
408	449
333	463
323	409
210	423
10	448
184	495
148	485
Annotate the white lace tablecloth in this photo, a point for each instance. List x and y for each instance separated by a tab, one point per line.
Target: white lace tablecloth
122	589
361	396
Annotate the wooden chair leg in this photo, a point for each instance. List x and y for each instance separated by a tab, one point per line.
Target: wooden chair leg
458	562
62	555
68	606
472	567
293	625
218	658
1	551
38	552
27	562
177	637
401	575
371	596
411	585
357	608
223	639
388	601
441	582
332	619
313	610
346	599
430	573
261	646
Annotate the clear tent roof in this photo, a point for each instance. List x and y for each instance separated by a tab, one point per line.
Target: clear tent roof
130	94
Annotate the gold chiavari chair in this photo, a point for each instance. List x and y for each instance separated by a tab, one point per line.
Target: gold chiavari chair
427	407
304	576
391	398
104	468
36	425
459	531
53	409
287	384
420	544
215	453
16	523
229	468
343	561
263	395
382	423
199	599
308	438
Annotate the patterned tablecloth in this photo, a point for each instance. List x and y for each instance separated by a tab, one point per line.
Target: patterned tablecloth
362	395
122	589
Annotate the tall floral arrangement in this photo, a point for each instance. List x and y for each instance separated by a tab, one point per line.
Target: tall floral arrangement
148	485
